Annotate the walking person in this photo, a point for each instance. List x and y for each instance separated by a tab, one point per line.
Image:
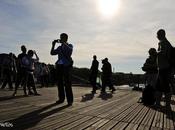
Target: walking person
63	68
8	67
164	68
107	76
94	73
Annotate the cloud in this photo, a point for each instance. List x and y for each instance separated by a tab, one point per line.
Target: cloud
124	39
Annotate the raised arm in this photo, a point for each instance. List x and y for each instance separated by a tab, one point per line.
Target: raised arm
37	58
53	51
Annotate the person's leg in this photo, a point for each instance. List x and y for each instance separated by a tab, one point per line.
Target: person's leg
103	84
17	82
29	83
111	86
164	84
32	83
60	85
4	79
68	84
9	79
167	90
158	93
94	84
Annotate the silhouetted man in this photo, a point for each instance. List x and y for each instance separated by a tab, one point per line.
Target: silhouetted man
63	68
21	71
164	48
107	75
94	72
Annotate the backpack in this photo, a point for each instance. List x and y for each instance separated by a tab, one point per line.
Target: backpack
148	95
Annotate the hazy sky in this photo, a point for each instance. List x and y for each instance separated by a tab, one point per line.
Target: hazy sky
123	33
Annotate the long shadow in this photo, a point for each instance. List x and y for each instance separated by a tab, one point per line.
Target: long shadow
11	97
105	96
87	97
170	114
31	119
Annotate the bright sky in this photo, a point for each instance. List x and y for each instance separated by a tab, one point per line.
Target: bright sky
122	30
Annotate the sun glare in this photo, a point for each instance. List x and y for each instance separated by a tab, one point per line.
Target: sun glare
108	8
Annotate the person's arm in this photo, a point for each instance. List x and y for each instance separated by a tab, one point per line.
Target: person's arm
53	51
37	58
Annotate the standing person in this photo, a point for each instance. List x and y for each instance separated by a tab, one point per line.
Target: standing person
9	66
29	62
21	71
150	67
44	75
63	68
164	68
93	74
107	75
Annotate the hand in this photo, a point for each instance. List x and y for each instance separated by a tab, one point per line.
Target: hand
54	42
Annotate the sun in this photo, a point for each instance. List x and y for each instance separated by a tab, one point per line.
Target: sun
108	8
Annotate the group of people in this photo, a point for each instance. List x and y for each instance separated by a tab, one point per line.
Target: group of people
106	75
23	66
159	68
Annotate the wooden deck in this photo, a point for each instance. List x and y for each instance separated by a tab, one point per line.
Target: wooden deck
118	111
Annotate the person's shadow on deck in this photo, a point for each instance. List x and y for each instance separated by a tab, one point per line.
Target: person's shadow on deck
170	114
105	96
31	119
87	97
12	97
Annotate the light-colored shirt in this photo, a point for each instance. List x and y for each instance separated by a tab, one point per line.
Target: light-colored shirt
64	54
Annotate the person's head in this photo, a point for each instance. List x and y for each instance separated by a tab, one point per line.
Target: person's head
94	57
11	54
104	60
23	49
161	35
30	53
152	52
63	37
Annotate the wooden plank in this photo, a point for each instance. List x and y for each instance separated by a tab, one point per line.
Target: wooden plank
120	126
119	112
148	119
109	125
97	125
76	123
58	123
86	124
